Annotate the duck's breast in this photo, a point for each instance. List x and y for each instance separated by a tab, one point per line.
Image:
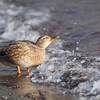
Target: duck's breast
38	56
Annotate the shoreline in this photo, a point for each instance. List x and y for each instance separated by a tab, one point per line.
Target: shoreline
18	88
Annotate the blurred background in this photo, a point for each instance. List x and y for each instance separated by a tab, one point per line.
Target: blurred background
73	61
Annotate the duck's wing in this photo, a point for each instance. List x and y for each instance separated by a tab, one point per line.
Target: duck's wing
4	51
27	41
4	59
3	45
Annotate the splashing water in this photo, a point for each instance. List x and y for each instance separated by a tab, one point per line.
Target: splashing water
71	70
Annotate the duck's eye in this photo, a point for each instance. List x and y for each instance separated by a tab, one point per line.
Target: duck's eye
45	38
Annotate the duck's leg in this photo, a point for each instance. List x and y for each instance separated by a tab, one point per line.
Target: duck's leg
18	71
28	70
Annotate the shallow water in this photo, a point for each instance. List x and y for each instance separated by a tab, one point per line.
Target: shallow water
73	61
15	88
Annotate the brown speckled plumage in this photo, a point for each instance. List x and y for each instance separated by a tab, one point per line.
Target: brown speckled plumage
24	53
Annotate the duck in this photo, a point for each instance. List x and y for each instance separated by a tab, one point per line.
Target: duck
25	53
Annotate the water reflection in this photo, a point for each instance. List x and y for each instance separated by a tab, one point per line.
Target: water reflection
22	85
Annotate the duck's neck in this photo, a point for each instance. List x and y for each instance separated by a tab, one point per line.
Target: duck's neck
40	45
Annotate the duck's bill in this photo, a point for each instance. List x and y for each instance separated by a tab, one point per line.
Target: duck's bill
54	38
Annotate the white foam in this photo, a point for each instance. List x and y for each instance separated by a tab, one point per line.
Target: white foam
58	61
96	86
18	30
13	12
22	32
36	18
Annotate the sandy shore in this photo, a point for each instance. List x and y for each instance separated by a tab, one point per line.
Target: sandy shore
13	87
18	88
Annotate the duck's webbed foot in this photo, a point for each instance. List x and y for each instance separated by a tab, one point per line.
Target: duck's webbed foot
18	71
28	70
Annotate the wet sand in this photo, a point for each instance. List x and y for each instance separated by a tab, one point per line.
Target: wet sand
13	87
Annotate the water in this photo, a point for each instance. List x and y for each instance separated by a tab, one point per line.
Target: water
73	61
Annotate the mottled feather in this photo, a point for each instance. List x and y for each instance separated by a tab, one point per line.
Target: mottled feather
25	53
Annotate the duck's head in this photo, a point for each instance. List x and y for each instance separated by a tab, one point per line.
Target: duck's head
45	40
